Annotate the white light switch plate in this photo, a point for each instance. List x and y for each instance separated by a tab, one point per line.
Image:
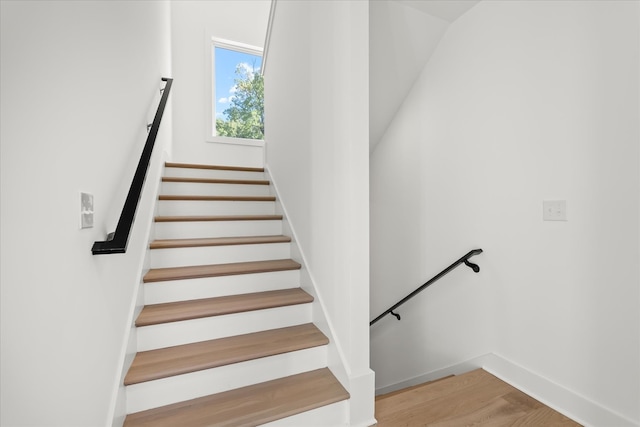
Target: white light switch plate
554	210
86	210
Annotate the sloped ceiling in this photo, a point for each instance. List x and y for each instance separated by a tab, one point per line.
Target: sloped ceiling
403	36
449	10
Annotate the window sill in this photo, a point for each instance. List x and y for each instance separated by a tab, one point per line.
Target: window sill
236	141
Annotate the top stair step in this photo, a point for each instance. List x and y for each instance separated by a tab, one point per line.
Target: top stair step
202	218
215	180
212	167
217	241
180	197
248	406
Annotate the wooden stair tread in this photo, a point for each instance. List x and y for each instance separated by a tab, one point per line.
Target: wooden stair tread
248	406
207	307
215	270
215	180
166	362
217	241
188	218
212	167
180	197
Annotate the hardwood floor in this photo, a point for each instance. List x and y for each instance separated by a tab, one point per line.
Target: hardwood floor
476	398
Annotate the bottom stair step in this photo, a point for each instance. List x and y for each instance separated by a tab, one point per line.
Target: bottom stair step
249	406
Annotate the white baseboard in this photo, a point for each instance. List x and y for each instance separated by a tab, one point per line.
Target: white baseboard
362	403
117	407
563	400
456	369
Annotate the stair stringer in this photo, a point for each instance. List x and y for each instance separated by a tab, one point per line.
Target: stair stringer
336	361
118	406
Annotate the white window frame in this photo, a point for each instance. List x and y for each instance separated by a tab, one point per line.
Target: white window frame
210	88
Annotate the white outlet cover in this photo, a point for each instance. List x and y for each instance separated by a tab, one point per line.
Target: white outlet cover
86	210
554	210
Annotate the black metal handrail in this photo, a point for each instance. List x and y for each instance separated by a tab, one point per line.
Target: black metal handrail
464	260
116	242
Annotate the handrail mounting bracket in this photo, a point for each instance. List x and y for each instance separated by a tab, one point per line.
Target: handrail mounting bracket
474	267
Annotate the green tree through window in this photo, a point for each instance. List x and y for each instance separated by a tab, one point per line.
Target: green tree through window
244	118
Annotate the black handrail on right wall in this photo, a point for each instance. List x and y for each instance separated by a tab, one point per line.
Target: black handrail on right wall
464	260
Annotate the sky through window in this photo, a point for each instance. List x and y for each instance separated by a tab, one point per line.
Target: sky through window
226	63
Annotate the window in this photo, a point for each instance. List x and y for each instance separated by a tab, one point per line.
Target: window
237	88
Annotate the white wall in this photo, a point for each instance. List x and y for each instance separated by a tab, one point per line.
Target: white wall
316	108
401	40
77	79
193	23
521	102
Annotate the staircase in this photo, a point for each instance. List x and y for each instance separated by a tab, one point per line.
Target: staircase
226	337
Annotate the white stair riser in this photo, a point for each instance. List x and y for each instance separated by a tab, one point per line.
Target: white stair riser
196	229
209	287
197	207
334	415
153	394
211	173
205	189
209	328
178	257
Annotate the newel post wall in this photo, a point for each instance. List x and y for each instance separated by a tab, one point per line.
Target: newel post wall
317	150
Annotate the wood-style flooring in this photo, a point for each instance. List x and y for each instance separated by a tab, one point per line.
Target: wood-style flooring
476	398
